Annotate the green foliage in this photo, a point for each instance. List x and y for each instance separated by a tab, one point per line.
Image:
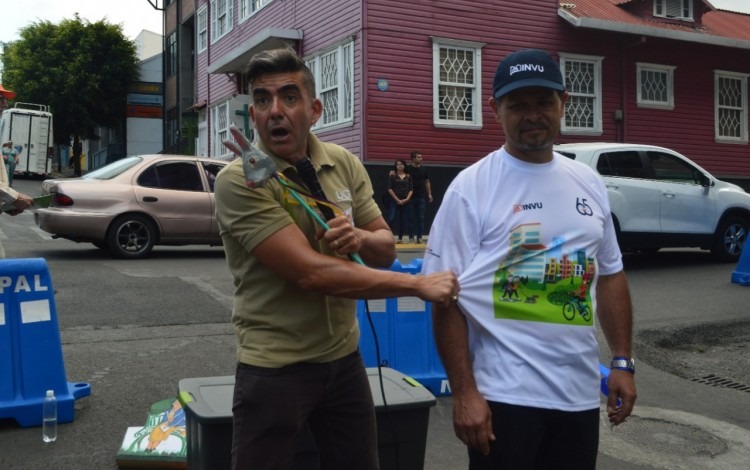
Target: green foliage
80	69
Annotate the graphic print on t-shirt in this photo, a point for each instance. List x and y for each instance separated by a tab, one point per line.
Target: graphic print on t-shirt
543	283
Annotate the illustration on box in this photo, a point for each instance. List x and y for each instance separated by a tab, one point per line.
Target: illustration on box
162	439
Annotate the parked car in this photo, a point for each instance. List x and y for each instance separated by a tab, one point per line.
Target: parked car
661	199
132	204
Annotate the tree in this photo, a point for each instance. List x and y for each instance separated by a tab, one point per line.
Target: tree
81	70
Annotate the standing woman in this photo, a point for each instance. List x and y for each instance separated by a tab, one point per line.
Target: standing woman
10	155
400	189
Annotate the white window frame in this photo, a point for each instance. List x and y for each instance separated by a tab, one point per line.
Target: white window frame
343	55
250	7
201	140
219	132
221	24
742	78
201	40
674	9
668	72
596	61
475	88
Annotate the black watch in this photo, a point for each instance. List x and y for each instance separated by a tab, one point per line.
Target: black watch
623	363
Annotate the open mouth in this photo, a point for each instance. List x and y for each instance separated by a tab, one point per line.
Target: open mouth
279	133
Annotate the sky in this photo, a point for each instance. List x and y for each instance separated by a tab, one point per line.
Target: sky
137	15
133	15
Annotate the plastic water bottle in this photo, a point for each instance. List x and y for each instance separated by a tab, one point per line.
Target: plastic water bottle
49	417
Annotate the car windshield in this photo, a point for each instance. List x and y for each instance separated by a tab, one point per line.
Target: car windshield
113	169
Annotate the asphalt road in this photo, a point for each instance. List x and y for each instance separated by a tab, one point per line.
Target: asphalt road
134	329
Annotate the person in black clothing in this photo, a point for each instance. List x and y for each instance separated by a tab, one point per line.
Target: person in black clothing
400	189
422	192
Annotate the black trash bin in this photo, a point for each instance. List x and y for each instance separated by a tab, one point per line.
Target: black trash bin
402	424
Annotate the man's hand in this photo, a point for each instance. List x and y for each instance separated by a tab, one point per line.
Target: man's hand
21	203
622	395
472	421
440	288
342	237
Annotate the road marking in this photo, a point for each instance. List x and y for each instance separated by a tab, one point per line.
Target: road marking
42	234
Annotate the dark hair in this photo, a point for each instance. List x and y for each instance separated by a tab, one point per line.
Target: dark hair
397	162
415	153
279	61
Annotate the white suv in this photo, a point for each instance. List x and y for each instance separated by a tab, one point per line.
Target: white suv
662	199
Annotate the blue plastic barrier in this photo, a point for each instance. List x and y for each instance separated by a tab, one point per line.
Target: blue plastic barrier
31	360
404	329
741	275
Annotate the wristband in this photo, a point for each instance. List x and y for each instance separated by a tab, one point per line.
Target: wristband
623	363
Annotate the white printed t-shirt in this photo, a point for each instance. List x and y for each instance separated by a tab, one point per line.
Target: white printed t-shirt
527	242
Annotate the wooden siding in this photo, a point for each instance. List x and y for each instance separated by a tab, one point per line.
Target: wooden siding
393	41
399	49
325	23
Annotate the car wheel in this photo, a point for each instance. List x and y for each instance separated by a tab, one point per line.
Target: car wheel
131	236
730	238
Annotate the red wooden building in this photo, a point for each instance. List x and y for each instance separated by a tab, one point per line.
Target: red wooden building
397	76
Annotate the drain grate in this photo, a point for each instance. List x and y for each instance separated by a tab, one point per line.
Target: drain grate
716	381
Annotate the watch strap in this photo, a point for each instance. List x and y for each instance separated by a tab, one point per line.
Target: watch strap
623	363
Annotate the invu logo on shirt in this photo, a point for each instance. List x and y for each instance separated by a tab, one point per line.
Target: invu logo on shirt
543	283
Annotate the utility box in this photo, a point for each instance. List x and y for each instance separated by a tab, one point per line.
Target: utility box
402	436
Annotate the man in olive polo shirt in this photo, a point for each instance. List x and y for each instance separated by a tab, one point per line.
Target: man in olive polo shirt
294	305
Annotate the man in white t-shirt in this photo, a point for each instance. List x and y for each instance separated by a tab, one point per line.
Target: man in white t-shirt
530	235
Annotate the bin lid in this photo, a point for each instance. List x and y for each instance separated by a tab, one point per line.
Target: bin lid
210	398
401	391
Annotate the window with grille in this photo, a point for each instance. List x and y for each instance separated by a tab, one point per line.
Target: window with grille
730	106
202	40
457	83
655	85
221	18
583	80
676	9
334	84
249	7
219	129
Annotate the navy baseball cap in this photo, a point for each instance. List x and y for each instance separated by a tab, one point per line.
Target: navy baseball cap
527	68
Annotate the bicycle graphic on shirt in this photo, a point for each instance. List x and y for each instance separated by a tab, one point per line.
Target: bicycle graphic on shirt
573	305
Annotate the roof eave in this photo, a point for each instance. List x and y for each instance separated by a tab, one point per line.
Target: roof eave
235	61
612	26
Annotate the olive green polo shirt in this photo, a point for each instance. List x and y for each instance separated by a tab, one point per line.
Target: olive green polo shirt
277	323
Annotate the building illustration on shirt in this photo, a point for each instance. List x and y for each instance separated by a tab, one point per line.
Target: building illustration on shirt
544	283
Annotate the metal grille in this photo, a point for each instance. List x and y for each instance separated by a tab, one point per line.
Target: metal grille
580	79
717	381
457	82
654	86
730	107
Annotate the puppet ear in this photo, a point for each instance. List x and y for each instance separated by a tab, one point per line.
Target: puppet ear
239	137
231	145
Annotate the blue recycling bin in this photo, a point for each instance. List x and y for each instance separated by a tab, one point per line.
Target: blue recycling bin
31	359
405	341
741	275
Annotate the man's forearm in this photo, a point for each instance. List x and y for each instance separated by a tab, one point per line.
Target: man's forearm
452	340
615	312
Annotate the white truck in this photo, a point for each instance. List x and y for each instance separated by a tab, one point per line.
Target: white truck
29	127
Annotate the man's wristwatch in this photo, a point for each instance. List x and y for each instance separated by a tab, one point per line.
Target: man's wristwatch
623	363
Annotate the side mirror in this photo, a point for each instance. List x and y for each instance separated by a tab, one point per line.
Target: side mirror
705	181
